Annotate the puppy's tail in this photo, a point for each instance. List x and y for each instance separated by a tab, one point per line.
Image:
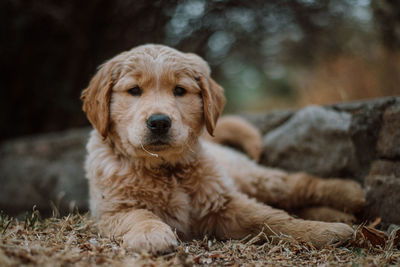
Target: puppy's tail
236	132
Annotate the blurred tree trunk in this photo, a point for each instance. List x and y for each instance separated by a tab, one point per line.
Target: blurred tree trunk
387	17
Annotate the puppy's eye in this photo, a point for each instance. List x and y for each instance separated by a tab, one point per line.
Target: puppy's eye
179	91
135	91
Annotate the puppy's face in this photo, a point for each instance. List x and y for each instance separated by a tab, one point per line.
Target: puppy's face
156	104
153	100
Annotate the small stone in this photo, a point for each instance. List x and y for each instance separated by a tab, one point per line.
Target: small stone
382	190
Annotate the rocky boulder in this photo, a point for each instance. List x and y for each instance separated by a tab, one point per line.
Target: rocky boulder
314	139
45	171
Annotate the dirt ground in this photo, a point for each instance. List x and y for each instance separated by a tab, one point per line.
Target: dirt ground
73	241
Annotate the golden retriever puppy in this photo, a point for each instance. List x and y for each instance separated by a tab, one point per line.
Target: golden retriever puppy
151	175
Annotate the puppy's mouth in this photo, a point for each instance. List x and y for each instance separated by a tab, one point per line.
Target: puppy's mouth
157	146
157	143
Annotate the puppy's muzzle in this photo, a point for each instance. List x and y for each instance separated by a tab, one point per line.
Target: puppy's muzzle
158	124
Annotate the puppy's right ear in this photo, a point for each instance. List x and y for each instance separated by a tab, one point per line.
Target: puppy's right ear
97	96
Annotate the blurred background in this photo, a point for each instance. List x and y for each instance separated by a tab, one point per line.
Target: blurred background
267	54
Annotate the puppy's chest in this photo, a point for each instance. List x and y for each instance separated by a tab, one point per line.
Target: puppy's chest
160	194
179	198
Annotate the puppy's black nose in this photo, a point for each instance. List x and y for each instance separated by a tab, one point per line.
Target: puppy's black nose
158	123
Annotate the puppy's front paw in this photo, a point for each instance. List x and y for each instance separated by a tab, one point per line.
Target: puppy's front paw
322	234
151	236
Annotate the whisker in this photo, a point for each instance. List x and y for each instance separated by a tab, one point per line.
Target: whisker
152	154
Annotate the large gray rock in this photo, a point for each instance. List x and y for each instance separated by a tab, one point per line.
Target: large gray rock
44	169
315	139
306	139
365	127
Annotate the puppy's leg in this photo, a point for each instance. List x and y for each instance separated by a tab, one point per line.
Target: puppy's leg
244	216
325	214
289	191
293	191
344	195
141	230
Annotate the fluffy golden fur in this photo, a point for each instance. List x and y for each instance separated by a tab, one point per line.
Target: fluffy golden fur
147	187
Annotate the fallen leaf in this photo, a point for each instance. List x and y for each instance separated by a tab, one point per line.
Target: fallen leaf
367	234
376	237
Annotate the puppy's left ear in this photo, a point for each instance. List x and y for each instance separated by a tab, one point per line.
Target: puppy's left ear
213	102
211	92
96	98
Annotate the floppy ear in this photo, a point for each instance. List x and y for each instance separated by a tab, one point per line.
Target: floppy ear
211	92
213	102
96	98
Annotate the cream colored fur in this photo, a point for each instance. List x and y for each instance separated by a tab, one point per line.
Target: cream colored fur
145	192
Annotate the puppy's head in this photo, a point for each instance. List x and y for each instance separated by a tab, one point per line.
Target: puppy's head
153	99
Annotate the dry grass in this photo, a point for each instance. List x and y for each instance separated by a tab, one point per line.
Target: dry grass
350	77
72	240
